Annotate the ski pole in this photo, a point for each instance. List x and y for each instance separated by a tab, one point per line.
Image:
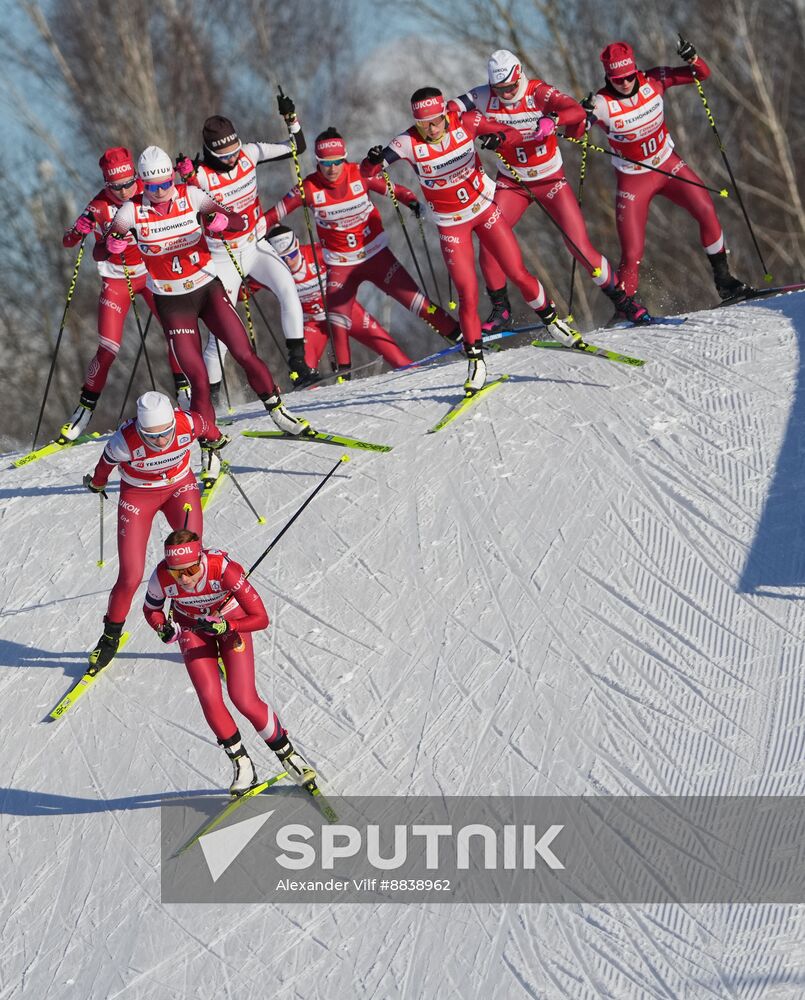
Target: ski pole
186	508
281	532
249	324
766	276
300	183
100	558
582	174
137	320
596	271
429	259
393	196
229	407
722	192
134	368
451	301
70	291
260	518
273	336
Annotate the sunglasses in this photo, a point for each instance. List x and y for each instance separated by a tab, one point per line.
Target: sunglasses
290	254
157	435
184	570
333	163
123	185
229	156
161	186
502	88
624	79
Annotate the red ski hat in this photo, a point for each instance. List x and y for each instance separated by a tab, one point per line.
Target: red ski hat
331	148
182	554
618	60
426	109
117	162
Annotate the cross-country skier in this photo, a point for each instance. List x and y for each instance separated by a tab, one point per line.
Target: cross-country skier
440	146
629	108
153	453
120	184
182	276
306	264
355	245
228	172
534	164
214	611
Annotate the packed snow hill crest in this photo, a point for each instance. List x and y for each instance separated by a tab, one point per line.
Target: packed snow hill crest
586	584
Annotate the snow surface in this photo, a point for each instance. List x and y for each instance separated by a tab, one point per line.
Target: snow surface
592	584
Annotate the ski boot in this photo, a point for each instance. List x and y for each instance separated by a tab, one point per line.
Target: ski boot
182	391
81	417
343	373
560	329
727	286
454	337
476	370
501	316
106	647
626	308
301	373
284	419
244	776
293	762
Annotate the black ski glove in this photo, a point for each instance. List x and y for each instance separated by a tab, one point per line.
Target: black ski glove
416	208
685	50
493	140
169	632
285	106
375	155
212	626
93	488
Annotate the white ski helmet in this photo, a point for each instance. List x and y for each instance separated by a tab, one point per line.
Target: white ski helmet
283	240
505	69
154	409
154	165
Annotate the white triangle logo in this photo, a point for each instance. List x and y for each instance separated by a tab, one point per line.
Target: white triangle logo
221	847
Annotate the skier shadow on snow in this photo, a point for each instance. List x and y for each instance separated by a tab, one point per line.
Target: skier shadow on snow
69	489
777	554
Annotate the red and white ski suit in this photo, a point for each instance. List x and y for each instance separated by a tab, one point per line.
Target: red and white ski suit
114	300
224	592
461	201
538	163
151	480
355	245
186	287
635	126
365	328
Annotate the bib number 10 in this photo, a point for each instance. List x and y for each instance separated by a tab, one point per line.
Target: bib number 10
650	146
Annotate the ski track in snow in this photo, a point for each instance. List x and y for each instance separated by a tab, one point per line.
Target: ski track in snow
543	599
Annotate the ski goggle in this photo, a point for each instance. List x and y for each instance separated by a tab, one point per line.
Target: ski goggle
333	163
157	435
231	155
123	185
184	570
158	185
